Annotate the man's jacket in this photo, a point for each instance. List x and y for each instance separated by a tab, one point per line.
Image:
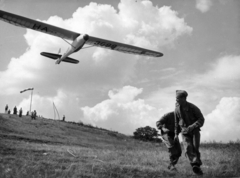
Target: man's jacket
167	121
187	116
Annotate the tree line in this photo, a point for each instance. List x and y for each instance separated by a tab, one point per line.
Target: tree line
147	134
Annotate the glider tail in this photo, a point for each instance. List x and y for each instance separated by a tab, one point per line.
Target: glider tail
58	58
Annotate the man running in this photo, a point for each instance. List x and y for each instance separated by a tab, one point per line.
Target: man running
190	119
166	124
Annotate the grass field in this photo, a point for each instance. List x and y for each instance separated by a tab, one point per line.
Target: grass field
50	148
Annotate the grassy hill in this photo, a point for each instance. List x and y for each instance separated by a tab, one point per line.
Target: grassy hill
50	148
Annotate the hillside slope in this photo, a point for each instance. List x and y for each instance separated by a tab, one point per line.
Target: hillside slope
49	148
35	148
56	132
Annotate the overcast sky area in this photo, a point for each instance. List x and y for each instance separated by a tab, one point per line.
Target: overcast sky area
200	40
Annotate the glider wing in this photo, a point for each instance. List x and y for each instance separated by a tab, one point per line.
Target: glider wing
121	47
37	25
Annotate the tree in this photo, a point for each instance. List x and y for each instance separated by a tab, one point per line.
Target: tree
146	133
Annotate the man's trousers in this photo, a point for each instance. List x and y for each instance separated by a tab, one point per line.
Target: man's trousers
191	143
174	148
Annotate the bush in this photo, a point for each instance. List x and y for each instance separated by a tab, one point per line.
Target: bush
146	134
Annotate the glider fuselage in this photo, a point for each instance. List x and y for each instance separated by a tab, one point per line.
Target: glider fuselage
76	45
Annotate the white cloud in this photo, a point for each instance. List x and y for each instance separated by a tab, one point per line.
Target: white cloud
224	73
122	111
215	92
99	70
203	5
226	68
124	95
153	28
44	105
221	79
223	123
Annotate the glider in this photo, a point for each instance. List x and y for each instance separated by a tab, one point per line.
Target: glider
78	40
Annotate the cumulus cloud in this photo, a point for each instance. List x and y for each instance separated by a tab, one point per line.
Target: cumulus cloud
44	104
122	112
203	5
215	92
221	79
136	23
163	29
227	68
99	70
223	123
223	73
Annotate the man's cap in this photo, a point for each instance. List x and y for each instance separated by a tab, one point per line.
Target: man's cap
181	93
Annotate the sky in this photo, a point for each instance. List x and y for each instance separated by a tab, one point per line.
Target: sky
200	41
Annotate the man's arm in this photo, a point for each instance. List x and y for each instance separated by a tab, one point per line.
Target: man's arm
161	124
200	119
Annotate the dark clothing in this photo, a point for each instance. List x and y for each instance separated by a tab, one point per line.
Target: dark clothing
191	144
174	148
15	110
20	112
34	115
166	124
166	121
6	109
186	116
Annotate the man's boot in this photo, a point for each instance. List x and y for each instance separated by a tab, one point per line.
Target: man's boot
197	170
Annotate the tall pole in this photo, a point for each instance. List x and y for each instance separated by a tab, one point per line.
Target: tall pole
31	96
31	102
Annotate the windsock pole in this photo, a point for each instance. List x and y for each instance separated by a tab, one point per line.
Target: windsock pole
31	102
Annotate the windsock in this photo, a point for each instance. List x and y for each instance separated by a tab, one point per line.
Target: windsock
26	90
